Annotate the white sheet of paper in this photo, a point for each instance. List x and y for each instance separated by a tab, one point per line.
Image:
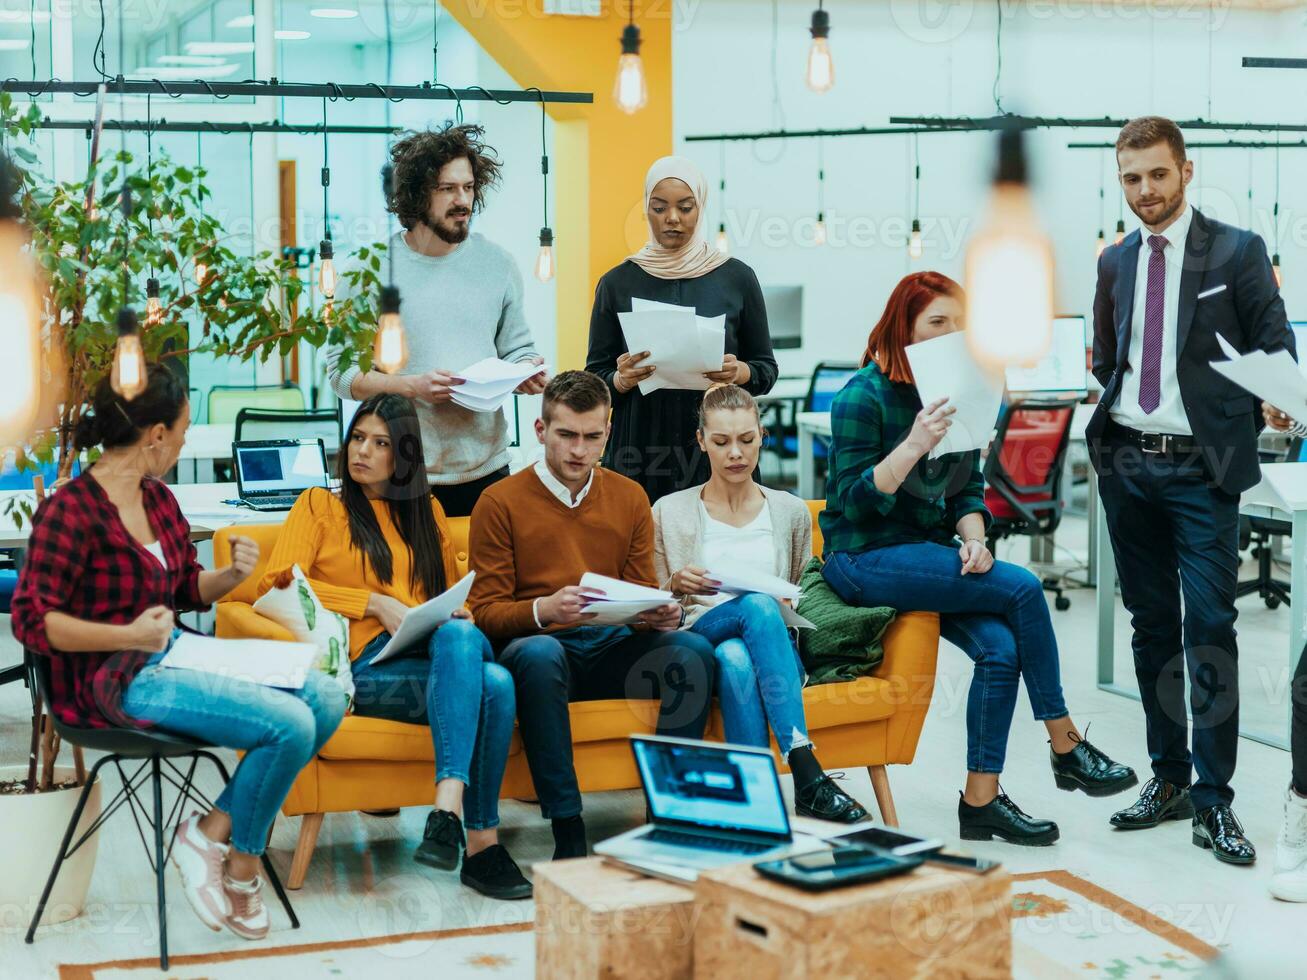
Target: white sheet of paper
944	368
421	621
270	663
1226	347
1275	378
615	590
476	404
794	619
681	346
620	613
743	580
492	371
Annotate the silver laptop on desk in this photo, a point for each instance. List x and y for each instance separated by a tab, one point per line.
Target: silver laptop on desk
272	473
711	805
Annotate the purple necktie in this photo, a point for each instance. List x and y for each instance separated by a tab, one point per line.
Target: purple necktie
1150	372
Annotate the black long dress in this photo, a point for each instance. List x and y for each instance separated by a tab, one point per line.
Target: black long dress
653	438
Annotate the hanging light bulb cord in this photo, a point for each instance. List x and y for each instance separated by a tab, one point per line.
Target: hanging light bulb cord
326	176
435	41
1275	211
998	51
544	160
149	174
916	179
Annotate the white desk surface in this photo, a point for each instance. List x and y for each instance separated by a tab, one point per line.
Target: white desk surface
201	503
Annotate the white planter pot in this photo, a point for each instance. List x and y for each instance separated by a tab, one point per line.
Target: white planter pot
33	828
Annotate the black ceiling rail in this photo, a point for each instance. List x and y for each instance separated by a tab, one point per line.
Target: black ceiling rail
1254	62
221	129
1207	145
256	88
986	123
792	134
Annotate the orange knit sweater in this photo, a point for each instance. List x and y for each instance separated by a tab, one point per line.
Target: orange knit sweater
316	537
526	543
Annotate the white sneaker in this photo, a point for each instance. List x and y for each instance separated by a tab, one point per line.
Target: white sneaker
1289	879
198	861
249	916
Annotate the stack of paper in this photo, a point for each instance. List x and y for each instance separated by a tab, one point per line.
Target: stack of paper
420	622
267	662
613	602
741	581
944	368
682	345
1283	486
489	383
1275	378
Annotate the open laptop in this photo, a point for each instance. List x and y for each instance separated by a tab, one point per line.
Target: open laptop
711	805
272	473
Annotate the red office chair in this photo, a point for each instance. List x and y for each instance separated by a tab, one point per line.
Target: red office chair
1023	475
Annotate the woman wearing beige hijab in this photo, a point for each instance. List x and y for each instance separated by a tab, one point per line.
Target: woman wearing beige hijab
653	436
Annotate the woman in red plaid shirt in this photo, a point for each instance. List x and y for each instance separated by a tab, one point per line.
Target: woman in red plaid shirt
109	565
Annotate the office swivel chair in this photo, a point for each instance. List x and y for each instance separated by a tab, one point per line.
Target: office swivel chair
1259	534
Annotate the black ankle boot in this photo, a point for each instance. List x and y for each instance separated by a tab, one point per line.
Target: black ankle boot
1002	818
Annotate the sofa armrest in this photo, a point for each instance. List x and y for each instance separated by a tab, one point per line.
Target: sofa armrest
238	620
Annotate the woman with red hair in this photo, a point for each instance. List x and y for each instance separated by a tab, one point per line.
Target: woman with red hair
906	531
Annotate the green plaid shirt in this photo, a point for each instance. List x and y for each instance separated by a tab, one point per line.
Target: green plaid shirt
869	418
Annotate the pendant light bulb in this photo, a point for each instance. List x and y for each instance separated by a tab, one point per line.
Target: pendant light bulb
1120	232
390	352
819	230
545	258
914	240
1100	244
153	308
201	271
327	271
1275	268
630	91
821	69
1009	271
128	377
723	243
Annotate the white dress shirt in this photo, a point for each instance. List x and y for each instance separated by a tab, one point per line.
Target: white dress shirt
1169	416
559	490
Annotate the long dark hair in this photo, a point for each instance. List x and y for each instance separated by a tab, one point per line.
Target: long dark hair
408	497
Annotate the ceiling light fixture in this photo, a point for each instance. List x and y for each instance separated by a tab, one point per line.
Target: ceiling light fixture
243	22
291	35
333	13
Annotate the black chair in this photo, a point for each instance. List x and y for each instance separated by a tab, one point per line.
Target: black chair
155	751
1259	533
267	423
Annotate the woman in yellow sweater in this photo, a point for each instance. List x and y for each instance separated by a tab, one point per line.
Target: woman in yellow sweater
372	550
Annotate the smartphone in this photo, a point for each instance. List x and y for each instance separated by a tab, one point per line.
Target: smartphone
842	865
962	862
893	841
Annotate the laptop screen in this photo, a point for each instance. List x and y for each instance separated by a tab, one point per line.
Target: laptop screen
280	467
711	786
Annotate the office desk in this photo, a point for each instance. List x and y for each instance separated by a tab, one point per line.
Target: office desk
810	426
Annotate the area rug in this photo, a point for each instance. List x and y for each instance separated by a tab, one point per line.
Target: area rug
1065	926
1062	926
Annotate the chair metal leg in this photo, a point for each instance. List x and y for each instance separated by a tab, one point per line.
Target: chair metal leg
63	846
159	861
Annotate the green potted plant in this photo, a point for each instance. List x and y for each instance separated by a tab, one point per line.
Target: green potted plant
173	263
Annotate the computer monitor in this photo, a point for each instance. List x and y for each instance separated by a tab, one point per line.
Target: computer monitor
1062	368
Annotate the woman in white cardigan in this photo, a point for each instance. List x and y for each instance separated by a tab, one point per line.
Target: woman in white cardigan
733	522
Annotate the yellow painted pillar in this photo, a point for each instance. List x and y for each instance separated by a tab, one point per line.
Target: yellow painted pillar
600	153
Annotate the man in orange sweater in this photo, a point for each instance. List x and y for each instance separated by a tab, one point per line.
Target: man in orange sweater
533	536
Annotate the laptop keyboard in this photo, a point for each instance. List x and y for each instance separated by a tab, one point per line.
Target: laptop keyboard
679	838
274	503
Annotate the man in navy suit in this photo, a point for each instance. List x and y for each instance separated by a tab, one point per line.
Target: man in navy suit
1174	444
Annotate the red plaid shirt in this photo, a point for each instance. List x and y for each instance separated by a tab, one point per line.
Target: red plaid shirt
82	561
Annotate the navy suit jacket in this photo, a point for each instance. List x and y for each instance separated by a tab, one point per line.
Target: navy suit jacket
1242	304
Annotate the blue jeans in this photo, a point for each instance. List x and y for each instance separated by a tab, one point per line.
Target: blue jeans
280	732
759	677
999	619
457	689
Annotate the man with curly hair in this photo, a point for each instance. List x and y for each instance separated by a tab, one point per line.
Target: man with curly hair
462	297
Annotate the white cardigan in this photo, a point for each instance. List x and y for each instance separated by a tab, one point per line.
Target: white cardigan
678	538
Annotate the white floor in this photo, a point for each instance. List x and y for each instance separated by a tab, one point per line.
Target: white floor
363	882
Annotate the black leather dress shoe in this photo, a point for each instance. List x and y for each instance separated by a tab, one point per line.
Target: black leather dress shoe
1002	818
1217	828
1086	768
823	800
442	841
1158	801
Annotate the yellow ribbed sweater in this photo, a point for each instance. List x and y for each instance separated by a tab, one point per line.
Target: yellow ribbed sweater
316	537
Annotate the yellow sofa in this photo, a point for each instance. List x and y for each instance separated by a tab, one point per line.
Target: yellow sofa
370	764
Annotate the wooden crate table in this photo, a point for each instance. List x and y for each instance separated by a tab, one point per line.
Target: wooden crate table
931	923
594	919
